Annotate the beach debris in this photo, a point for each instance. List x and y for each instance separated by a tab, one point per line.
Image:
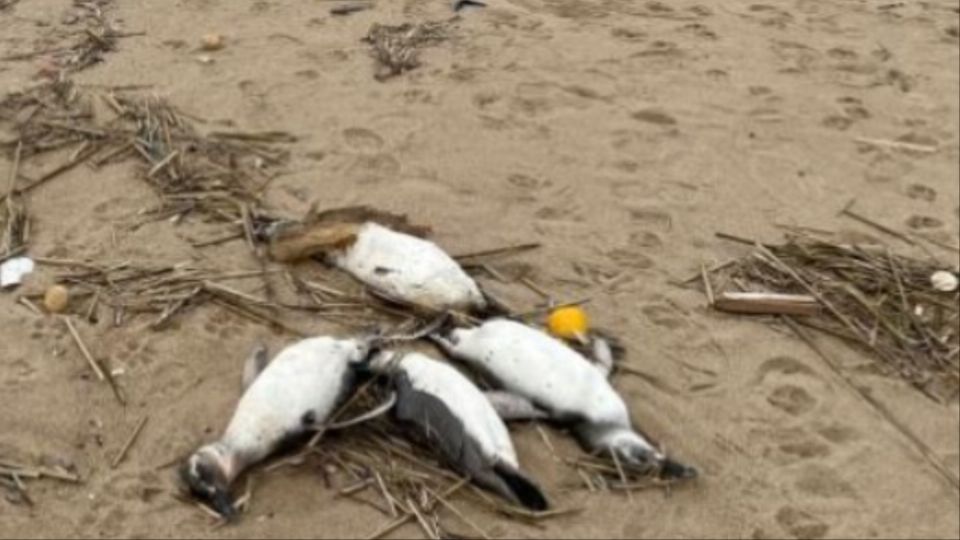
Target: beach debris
212	42
216	176
397	48
14	270
129	443
767	303
56	298
944	281
204	59
101	373
882	302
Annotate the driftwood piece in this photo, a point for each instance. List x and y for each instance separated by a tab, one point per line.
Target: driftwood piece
767	303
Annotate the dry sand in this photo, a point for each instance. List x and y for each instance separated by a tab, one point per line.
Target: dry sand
619	133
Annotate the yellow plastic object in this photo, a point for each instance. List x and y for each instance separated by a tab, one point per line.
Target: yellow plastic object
568	322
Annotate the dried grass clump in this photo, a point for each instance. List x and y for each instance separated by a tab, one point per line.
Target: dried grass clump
397	48
871	297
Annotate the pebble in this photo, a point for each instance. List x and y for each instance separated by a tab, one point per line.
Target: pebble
56	299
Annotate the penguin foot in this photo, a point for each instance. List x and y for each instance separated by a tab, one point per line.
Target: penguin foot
522	489
513	407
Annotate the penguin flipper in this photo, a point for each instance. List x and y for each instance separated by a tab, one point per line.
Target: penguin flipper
510	406
603	355
255	364
525	490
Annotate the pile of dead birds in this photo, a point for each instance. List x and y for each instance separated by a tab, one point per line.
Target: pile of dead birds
402	402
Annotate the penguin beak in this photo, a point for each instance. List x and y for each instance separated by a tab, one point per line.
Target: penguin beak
582	338
223	504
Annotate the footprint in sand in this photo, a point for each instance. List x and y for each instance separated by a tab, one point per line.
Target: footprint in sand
791	379
651	218
824	483
923	222
800	524
664	315
655	116
362	140
921	192
792	399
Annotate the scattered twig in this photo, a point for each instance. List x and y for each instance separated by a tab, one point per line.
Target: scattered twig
94	365
847	211
126	446
706	284
498	251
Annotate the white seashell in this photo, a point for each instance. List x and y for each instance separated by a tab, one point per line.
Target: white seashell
944	281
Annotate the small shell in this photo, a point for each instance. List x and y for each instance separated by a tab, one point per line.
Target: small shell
212	42
944	281
56	299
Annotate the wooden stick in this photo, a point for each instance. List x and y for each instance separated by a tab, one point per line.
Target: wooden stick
12	253
623	475
710	270
427	530
126	447
767	303
83	349
443	501
533	287
55	172
846	211
26	471
706	284
897	145
498	251
925	451
14	171
101	374
220	240
399	522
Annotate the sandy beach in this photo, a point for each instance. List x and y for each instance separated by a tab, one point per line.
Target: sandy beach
622	135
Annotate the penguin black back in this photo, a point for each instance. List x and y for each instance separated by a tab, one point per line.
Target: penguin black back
442	430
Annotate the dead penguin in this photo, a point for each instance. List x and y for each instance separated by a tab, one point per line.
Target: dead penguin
384	252
292	395
451	413
542	377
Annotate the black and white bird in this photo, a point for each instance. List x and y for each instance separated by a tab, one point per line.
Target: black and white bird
284	399
384	252
541	377
454	416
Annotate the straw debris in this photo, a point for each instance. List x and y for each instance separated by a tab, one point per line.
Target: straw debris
397	48
879	301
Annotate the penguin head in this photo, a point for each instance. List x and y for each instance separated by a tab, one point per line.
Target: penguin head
632	449
636	453
207	475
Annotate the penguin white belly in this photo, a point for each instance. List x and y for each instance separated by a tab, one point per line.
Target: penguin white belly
528	362
465	401
408	268
305	379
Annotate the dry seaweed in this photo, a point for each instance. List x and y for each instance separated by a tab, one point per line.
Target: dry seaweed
217	176
880	301
397	48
